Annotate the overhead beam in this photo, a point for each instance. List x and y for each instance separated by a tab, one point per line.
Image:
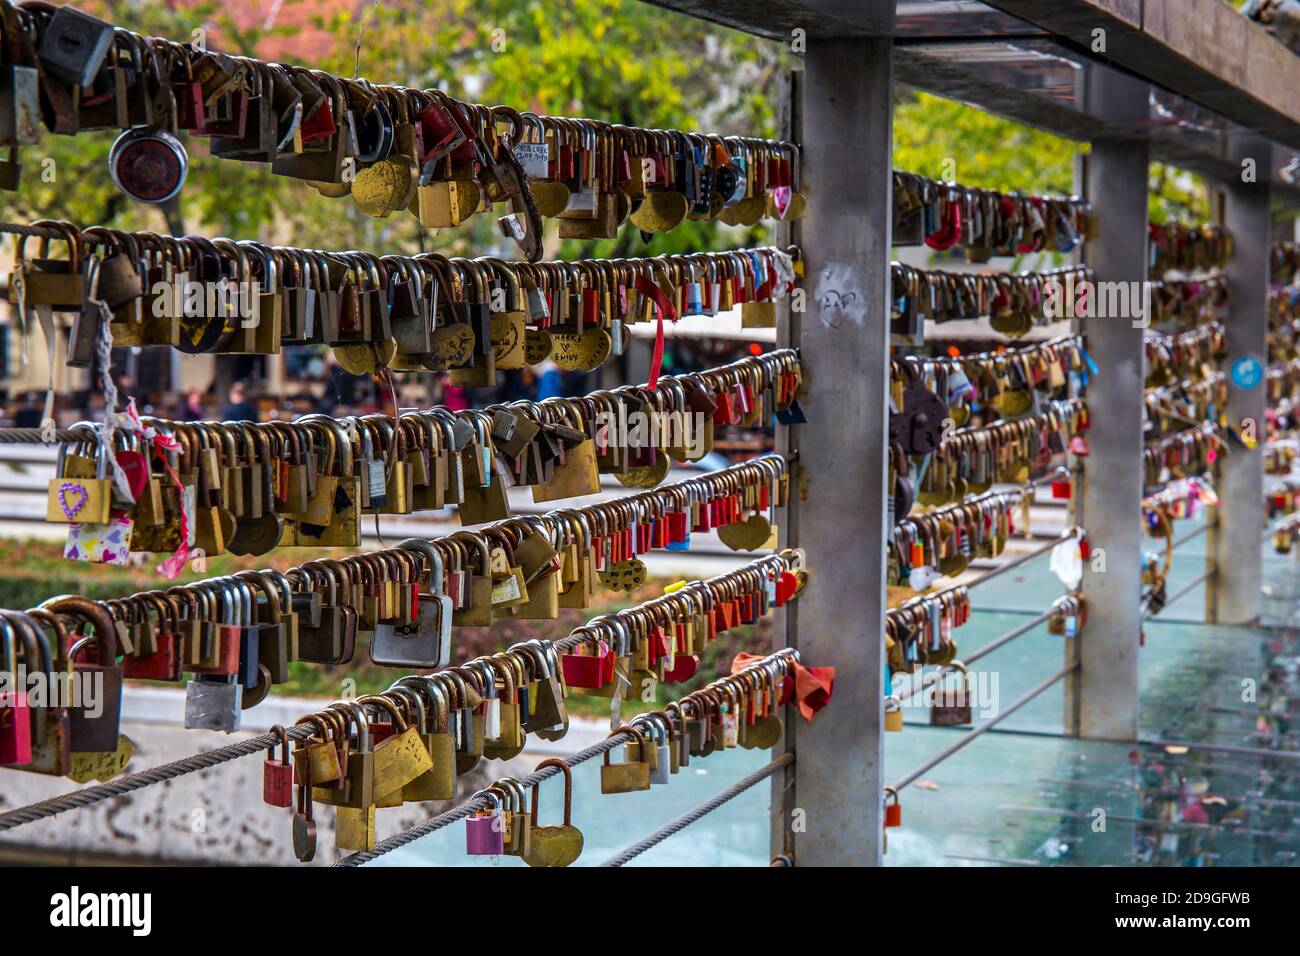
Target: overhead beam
1205	50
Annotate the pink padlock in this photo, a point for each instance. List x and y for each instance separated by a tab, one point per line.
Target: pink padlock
485	832
15	717
15	729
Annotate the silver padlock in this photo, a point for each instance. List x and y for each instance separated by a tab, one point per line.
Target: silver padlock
213	703
663	760
372	472
427	642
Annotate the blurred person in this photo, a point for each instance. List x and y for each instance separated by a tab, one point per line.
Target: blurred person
192	407
515	385
454	397
30	412
238	407
550	380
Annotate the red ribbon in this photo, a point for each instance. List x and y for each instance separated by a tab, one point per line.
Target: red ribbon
812	685
662	307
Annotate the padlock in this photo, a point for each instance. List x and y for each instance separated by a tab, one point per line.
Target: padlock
439	781
20	109
661	766
79	500
554	845
15	716
277	775
629	776
589	670
426	642
74	45
549	716
213	703
893	714
485	831
951	706
163	662
893	809
519	832
304	824
149	165
94	729
400	757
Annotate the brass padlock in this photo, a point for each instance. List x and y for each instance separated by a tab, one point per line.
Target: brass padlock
625	777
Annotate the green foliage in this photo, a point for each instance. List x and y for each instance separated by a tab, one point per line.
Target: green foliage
944	139
609	59
616	60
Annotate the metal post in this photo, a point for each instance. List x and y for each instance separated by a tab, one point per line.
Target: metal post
1236	555
833	812
1101	698
788	335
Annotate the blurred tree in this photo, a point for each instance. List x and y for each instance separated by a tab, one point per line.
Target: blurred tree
944	139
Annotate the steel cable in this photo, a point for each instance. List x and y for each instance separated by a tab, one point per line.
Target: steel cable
696	813
87	796
461	811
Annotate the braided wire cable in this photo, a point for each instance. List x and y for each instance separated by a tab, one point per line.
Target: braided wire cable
88	796
38	436
33	232
697	813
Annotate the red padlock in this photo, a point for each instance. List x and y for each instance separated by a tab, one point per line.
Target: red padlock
659	646
227	638
162	664
893	809
320	125
1079	446
381	731
787	689
725	415
277	775
1061	489
787	585
589	670
684	668
704	524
